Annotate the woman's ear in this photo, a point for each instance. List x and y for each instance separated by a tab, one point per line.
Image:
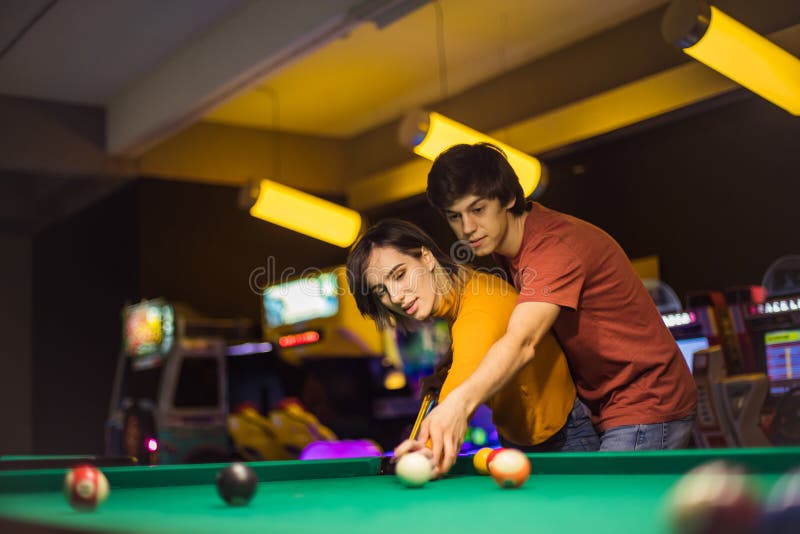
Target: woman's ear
427	259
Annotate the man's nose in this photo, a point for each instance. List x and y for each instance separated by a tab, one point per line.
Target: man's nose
467	225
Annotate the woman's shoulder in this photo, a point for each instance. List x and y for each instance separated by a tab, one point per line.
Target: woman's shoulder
486	290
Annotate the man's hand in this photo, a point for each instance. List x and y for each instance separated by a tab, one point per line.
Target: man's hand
445	428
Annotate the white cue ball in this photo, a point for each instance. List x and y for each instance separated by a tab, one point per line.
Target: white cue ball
413	469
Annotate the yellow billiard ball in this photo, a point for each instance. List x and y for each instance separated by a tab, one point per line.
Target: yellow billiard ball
479	460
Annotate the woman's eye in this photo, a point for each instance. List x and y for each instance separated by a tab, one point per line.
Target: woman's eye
398	275
478	210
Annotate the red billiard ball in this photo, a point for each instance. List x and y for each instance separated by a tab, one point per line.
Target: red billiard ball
237	484
510	468
85	487
714	497
492	456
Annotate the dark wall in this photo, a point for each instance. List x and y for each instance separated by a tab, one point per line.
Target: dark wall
200	248
16	355
715	195
85	269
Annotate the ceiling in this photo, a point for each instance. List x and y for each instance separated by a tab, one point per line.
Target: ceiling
93	52
339	70
373	75
89	51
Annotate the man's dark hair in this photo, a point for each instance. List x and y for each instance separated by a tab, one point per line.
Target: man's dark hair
403	237
481	169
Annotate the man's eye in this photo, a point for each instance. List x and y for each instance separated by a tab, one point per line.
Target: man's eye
452	217
478	210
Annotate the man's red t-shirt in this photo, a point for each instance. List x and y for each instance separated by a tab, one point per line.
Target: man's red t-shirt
625	363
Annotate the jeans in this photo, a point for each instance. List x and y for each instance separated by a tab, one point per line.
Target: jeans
577	434
670	435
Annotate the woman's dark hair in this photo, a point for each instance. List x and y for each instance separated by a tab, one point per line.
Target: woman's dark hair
403	237
481	169
408	239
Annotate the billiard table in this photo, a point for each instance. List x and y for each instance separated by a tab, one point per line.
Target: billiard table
567	492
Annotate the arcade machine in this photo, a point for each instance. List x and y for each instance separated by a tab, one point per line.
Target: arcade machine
728	403
169	398
728	406
353	385
774	327
693	329
739	300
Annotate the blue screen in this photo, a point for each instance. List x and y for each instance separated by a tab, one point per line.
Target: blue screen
690	346
301	300
783	359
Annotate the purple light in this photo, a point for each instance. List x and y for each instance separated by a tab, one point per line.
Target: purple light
152	445
325	450
249	348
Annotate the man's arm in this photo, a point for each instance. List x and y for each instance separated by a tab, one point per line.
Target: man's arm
446	424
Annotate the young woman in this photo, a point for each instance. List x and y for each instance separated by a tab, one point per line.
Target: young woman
398	276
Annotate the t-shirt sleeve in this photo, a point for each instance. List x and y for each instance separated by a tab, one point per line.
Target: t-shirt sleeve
550	271
473	333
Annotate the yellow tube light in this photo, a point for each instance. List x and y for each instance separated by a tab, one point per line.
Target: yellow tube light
429	134
306	214
734	50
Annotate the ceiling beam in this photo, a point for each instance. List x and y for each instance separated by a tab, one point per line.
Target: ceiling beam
256	40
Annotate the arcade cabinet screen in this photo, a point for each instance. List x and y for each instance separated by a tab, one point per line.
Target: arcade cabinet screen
783	360
690	346
148	332
301	300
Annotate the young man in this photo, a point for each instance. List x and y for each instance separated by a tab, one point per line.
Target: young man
575	279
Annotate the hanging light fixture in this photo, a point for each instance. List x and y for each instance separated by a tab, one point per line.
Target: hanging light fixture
304	213
428	134
734	50
293	209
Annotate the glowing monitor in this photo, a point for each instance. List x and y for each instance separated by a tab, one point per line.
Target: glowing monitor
690	346
783	359
301	300
148	331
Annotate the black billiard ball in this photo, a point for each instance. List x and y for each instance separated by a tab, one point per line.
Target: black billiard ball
783	506
236	484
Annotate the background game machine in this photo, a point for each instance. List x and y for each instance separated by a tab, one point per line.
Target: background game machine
728	404
351	379
694	329
169	398
774	328
739	300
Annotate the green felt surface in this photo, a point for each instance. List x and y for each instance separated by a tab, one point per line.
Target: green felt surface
619	492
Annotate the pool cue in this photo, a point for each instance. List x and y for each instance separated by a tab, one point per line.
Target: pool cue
425	408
